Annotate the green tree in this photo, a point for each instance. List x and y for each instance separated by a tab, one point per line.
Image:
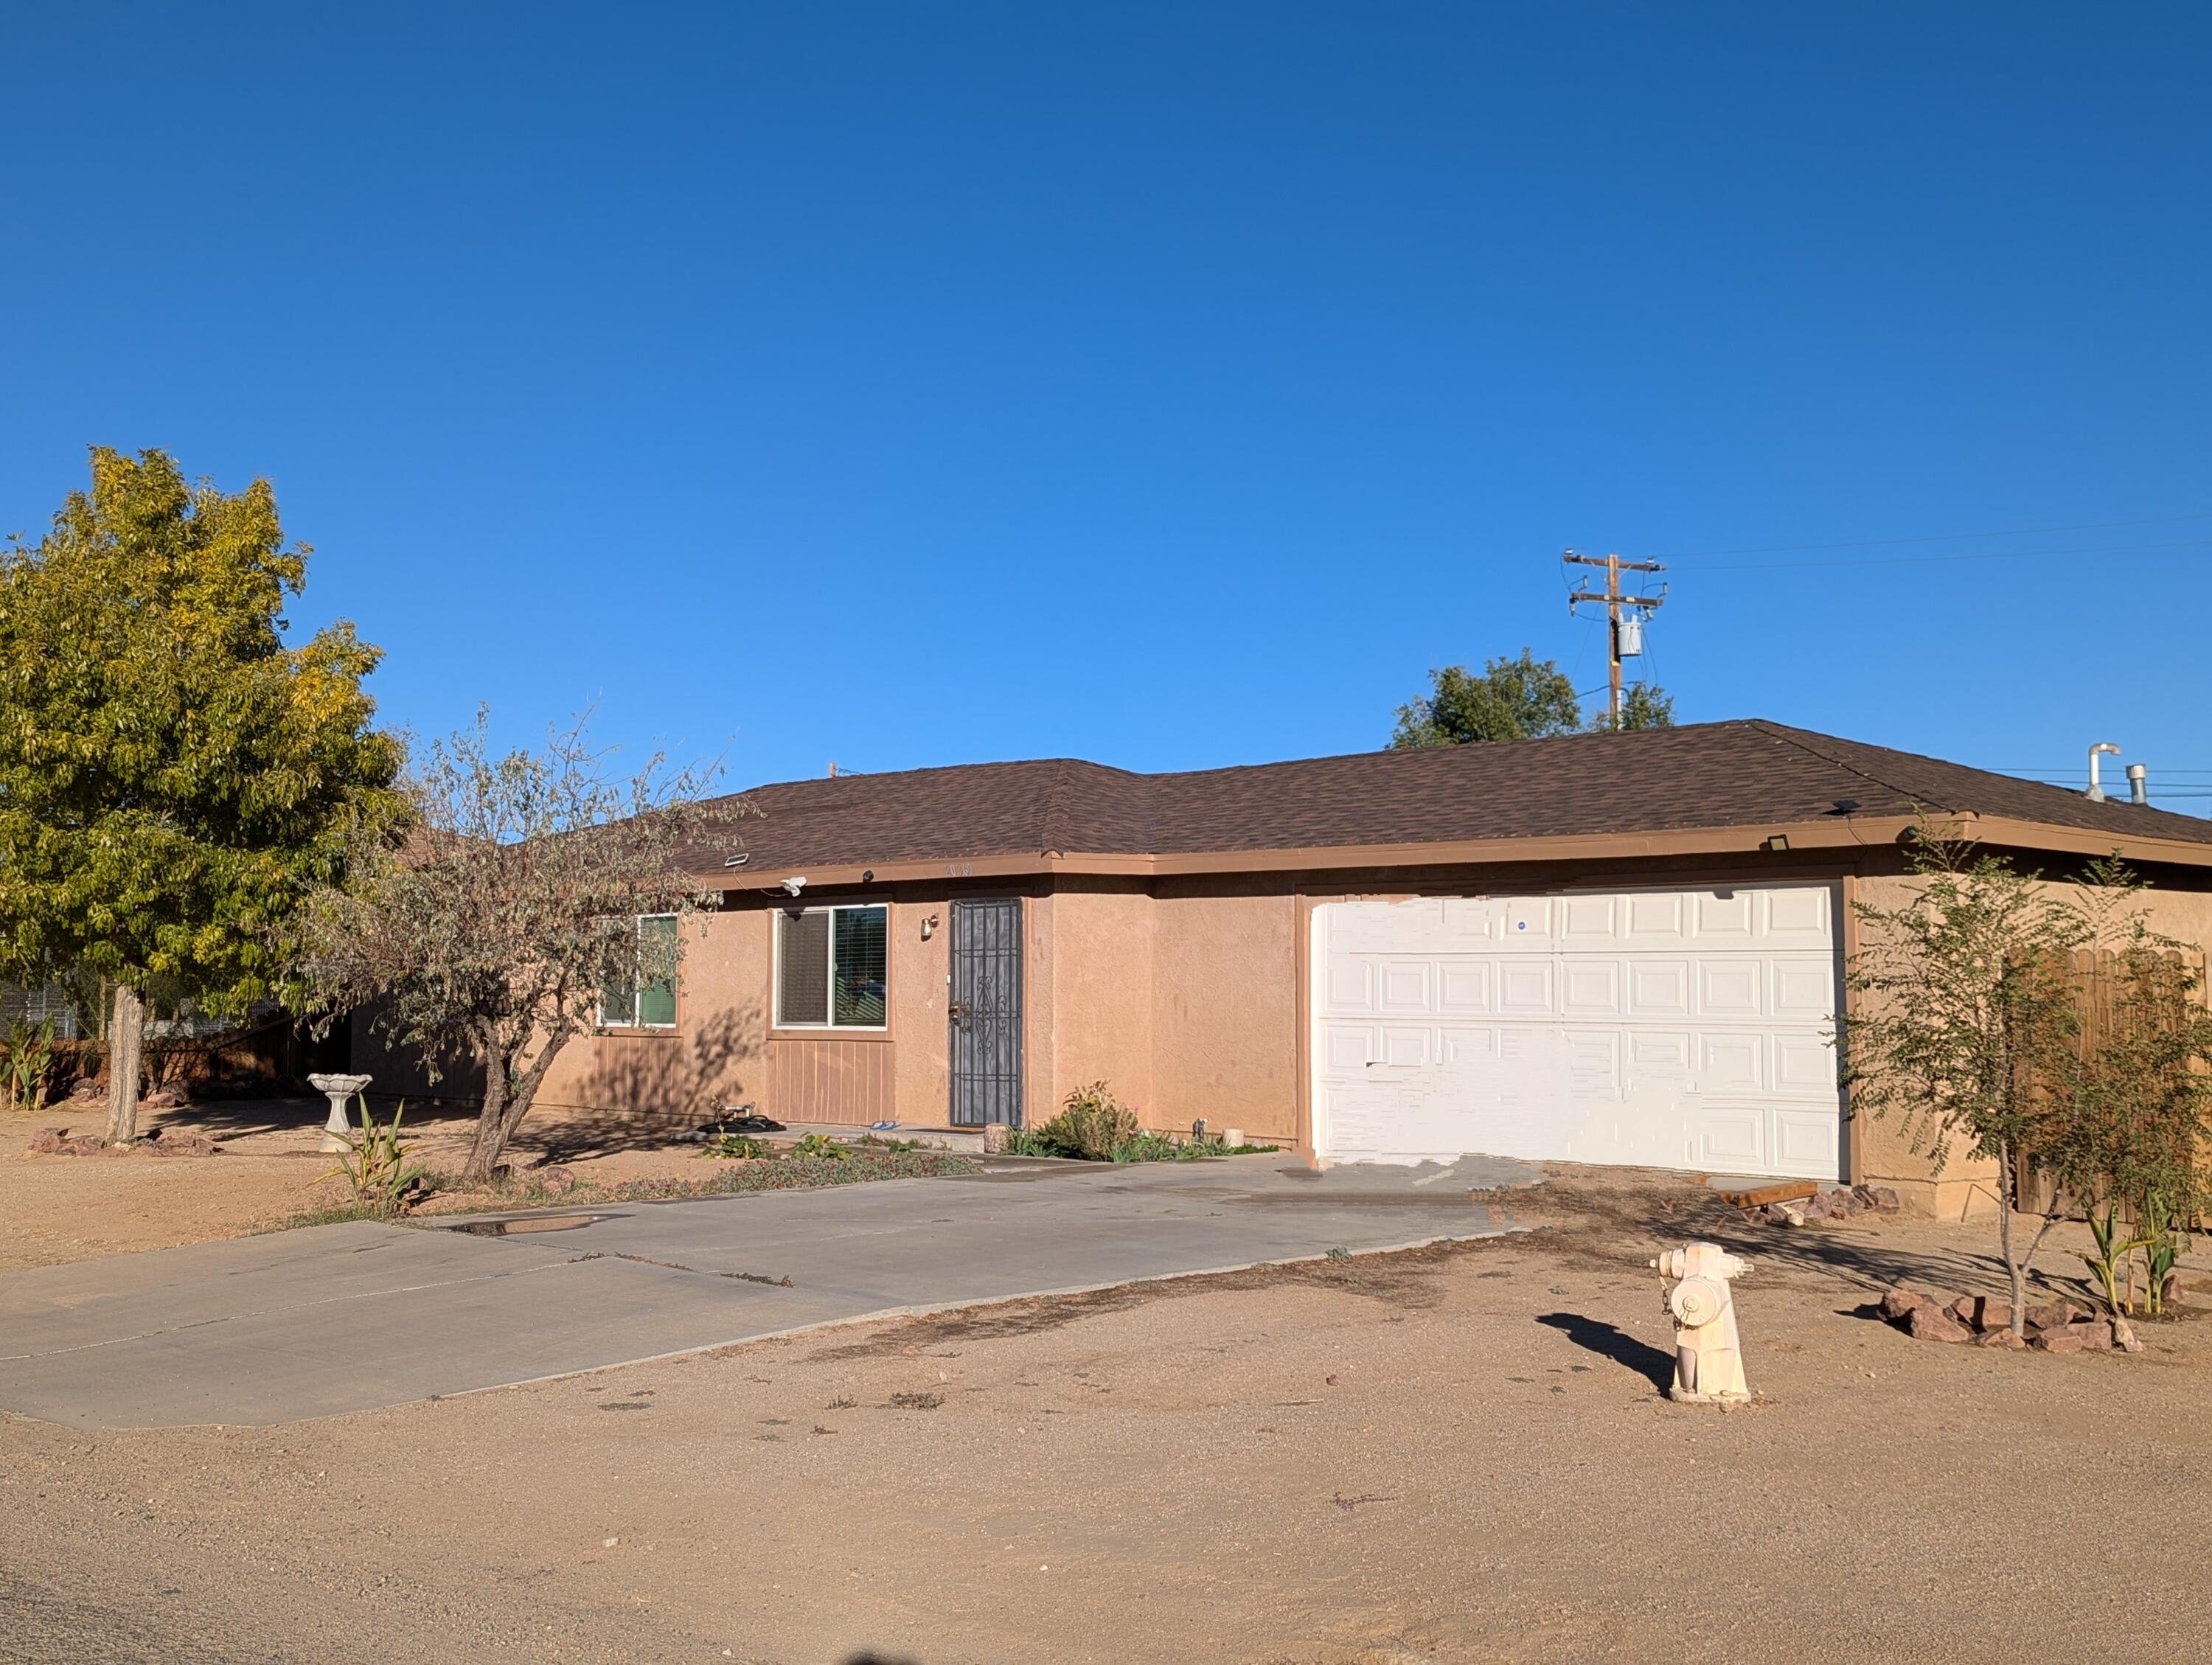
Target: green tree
1513	699
1642	705
174	778
533	886
1964	1022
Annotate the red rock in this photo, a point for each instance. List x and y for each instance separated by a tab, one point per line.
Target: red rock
2053	1315
1877	1199
1929	1323
556	1179
2059	1341
1982	1312
2000	1338
48	1141
2124	1336
1899	1303
173	1142
2096	1335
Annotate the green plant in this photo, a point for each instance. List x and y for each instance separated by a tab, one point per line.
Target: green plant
30	1063
738	1148
822	1145
375	1163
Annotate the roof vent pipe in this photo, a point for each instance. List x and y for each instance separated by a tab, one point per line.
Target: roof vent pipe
2096	792
2138	784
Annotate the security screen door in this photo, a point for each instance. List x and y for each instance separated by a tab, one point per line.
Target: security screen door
986	1012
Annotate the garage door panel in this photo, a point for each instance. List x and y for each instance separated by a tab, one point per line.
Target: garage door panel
1407	1047
1591	988
1407	986
1656	917
1348	1049
1350	985
1735	1137
1730	988
1804	1064
1659	989
1808	1144
1802	988
1524	988
1731	1063
1587	921
1795	917
1722	916
1466	986
1676	1029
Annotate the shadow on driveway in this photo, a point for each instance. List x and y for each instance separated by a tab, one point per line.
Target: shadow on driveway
1612	1342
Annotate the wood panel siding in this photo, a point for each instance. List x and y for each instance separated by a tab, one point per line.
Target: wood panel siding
849	1081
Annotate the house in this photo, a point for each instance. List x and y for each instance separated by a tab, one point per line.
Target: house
1602	948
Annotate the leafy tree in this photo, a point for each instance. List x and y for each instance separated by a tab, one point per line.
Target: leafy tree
174	778
1513	699
1966	1022
2132	1156
516	903
1518	699
1642	705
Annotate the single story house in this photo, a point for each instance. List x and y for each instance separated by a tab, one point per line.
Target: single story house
1601	948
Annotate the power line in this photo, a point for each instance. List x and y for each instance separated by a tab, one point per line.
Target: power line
1614	566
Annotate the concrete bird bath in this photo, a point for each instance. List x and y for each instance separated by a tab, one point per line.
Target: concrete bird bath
341	1090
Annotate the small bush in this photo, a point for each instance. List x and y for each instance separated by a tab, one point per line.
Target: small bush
376	1164
1094	1126
821	1146
738	1147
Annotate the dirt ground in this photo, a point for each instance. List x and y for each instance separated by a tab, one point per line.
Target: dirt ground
72	1208
1449	1453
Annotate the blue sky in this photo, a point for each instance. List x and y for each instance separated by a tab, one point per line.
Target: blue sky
1171	385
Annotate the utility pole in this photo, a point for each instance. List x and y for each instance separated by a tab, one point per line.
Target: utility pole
1614	601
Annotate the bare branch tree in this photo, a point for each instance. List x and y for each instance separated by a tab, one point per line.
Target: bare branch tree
495	931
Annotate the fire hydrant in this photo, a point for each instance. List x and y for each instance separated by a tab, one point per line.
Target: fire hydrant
1708	1353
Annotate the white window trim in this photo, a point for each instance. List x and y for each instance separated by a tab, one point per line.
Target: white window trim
829	1024
637	990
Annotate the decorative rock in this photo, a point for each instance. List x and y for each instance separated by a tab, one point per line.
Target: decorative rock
2052	1315
556	1179
996	1136
1929	1323
2096	1335
175	1142
161	1098
48	1141
2124	1336
1982	1312
2059	1341
2000	1338
1877	1199
1898	1305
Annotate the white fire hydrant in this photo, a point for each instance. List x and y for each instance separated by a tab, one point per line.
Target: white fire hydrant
1708	1353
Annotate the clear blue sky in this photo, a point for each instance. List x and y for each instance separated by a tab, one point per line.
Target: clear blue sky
1167	385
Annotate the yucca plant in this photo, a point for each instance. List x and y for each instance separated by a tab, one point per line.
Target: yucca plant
375	1163
30	1063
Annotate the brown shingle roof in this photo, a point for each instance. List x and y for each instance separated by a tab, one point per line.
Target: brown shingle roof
1738	774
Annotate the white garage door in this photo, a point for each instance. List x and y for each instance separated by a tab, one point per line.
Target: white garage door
1671	1029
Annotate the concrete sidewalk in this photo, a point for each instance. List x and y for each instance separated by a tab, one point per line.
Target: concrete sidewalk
332	1319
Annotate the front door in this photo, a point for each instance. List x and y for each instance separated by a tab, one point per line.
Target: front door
986	1011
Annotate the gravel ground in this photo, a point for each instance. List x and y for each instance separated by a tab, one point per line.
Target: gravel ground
1451	1453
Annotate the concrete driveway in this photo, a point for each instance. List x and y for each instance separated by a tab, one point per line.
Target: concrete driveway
338	1318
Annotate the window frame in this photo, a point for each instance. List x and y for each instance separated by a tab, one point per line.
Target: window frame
637	988
829	1025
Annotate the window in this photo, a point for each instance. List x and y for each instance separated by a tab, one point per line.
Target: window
640	1001
831	965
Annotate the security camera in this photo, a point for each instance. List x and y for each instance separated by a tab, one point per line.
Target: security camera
794	886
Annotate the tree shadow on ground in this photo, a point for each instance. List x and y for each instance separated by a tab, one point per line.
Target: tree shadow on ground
1609	1341
642	1090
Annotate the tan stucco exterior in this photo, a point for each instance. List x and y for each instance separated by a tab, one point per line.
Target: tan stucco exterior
1186	992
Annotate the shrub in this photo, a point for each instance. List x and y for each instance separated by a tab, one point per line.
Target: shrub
375	1163
1094	1126
30	1063
821	1146
738	1148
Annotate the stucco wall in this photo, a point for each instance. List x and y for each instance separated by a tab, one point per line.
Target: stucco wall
1100	995
1226	1013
